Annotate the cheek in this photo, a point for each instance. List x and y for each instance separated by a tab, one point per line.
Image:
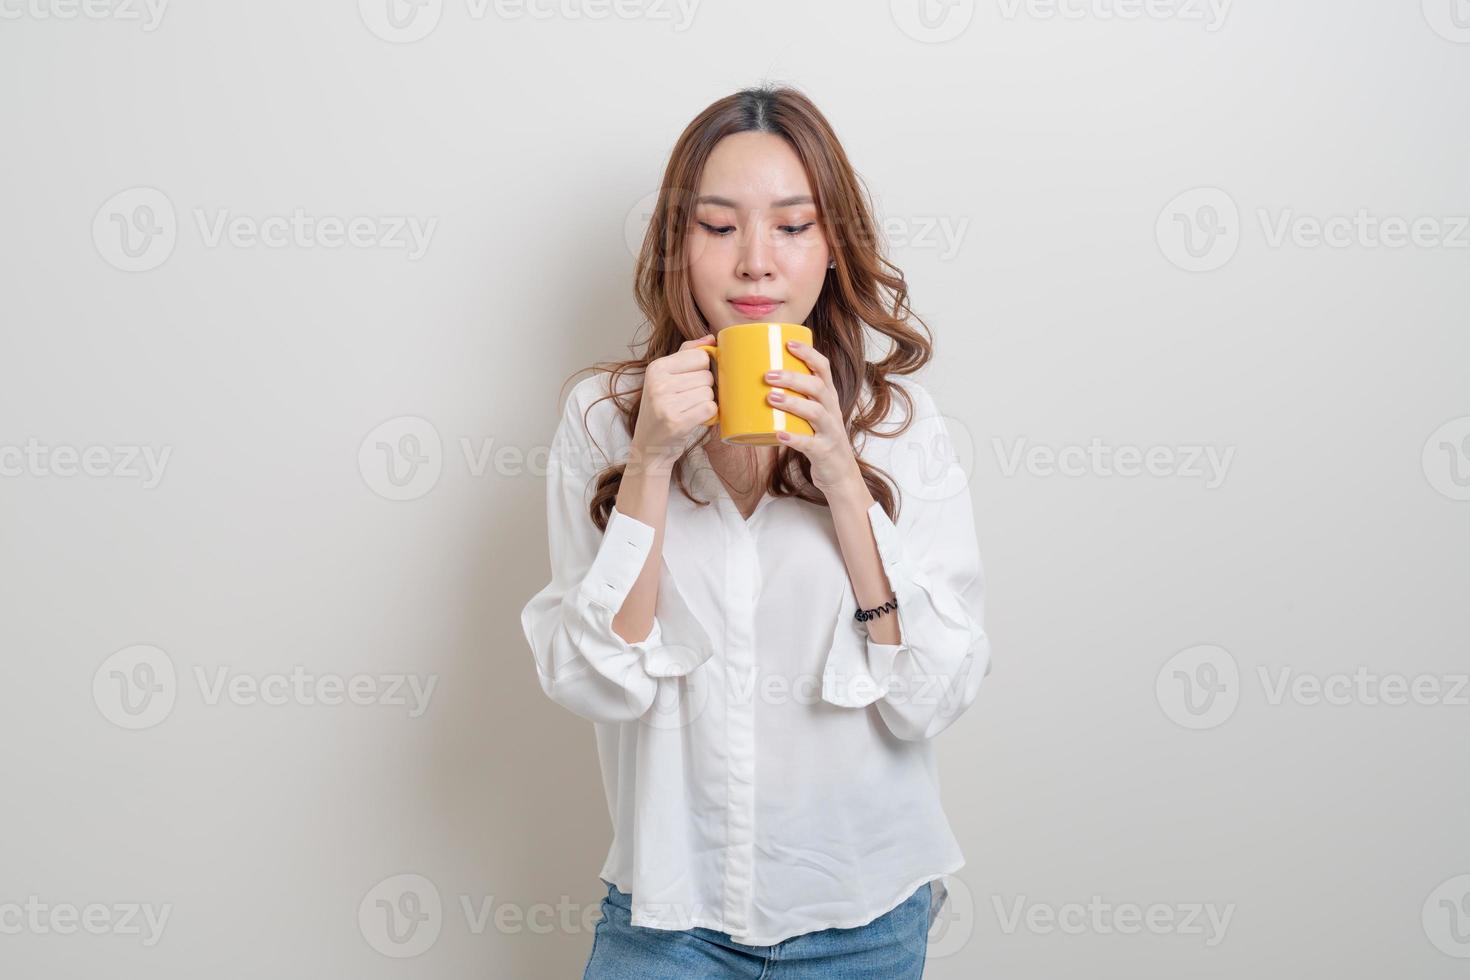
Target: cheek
702	266
806	268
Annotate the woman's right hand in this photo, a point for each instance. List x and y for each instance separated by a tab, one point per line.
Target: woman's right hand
678	397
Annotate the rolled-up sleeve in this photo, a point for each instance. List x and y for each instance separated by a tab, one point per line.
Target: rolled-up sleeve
583	664
932	561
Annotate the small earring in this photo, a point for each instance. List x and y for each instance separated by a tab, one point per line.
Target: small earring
832	264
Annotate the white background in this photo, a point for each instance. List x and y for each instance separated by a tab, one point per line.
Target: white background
1051	144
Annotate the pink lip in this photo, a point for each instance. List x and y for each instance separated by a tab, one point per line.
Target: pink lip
759	308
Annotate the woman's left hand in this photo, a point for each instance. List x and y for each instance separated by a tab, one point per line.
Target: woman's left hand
834	466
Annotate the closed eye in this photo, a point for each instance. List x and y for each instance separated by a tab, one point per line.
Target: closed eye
723	230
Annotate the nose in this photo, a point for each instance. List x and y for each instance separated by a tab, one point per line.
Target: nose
755	253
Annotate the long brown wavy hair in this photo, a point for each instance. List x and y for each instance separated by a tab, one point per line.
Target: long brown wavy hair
864	288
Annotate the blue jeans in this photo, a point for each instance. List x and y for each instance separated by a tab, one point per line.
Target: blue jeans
891	947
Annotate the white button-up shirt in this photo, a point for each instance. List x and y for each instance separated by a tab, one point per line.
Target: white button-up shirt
769	769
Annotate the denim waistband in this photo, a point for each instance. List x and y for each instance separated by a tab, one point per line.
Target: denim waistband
616	896
624	900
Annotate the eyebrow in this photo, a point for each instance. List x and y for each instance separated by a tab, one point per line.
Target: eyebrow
785	202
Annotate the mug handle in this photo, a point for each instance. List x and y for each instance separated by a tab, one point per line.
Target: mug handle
715	353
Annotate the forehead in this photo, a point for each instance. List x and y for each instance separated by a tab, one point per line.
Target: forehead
754	170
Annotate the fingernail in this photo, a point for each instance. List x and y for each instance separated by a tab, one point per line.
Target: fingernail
772	375
776	396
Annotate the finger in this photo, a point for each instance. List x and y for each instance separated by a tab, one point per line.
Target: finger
689	359
685	380
814	388
807	384
706	339
813	359
697	408
801	443
681	401
808	408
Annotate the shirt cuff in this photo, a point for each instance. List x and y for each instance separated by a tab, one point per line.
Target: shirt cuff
624	551
859	669
934	631
858	672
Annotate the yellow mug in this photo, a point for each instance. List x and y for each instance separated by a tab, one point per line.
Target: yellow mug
743	354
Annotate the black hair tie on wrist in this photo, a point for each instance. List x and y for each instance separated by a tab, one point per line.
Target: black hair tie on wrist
863	615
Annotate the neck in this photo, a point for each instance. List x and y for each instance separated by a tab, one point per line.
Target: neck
742	461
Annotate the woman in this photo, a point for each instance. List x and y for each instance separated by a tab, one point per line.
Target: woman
767	654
